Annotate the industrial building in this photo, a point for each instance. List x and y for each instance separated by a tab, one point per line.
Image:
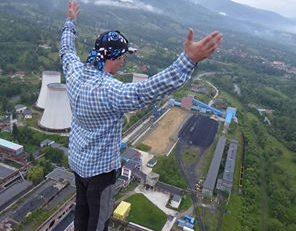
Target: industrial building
57	188
225	184
210	182
10	149
19	108
47	78
122	210
12	193
230	114
57	113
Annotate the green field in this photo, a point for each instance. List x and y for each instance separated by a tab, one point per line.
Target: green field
144	213
168	169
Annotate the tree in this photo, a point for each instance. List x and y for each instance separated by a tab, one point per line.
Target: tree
275	225
54	155
46	165
35	174
15	132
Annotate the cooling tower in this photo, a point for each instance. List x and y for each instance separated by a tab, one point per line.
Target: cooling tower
47	78
139	77
57	112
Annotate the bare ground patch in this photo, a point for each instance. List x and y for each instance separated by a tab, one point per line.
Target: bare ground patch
163	136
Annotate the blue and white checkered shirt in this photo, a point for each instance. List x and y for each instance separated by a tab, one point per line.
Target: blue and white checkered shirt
98	103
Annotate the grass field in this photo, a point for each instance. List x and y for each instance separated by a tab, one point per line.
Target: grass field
186	203
168	169
144	213
190	156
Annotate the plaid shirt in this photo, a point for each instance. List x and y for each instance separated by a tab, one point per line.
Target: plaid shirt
98	103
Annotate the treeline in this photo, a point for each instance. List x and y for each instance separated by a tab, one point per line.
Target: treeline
268	187
26	91
268	92
27	136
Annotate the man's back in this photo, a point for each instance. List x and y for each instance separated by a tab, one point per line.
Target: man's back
96	126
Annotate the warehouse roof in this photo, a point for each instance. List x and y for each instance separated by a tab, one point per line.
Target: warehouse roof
10	145
13	191
215	165
230	162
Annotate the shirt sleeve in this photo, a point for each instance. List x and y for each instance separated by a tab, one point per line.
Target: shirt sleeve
68	55
132	96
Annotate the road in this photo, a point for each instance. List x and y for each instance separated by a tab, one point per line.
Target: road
216	89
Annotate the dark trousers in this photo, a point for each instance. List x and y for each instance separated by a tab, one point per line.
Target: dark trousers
94	202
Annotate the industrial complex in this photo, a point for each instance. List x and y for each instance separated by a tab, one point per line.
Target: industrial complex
186	126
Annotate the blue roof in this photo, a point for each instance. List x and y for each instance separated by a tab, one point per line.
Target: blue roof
10	145
230	113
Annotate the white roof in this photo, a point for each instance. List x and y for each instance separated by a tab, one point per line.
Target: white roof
10	145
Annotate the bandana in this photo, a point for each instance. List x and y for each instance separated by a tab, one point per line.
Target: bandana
109	45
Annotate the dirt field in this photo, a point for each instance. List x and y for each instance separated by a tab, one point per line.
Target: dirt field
162	137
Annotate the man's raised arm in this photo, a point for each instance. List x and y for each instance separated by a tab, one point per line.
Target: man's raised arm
68	51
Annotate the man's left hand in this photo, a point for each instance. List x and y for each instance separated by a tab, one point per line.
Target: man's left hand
73	10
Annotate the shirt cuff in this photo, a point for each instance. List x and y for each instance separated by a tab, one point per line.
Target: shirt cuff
186	63
70	24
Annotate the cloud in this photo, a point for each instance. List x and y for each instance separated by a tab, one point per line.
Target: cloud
131	4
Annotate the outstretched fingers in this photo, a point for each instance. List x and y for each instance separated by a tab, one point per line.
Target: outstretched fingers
212	40
73	9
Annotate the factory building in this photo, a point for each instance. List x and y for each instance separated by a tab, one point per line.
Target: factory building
225	184
10	149
210	182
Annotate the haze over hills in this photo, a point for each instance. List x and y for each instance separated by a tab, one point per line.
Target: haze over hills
254	70
224	15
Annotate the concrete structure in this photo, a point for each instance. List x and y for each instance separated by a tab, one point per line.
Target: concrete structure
46	142
152	179
11	149
122	210
47	78
27	114
176	201
210	182
19	108
137	77
57	114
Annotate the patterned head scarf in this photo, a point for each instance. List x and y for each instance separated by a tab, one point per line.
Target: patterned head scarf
109	45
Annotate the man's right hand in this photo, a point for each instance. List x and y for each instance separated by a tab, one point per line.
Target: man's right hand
200	50
73	9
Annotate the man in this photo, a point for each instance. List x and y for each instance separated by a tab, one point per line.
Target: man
98	103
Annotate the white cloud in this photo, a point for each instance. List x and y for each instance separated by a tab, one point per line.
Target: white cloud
131	4
284	7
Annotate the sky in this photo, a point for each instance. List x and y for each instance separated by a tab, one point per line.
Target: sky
284	7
